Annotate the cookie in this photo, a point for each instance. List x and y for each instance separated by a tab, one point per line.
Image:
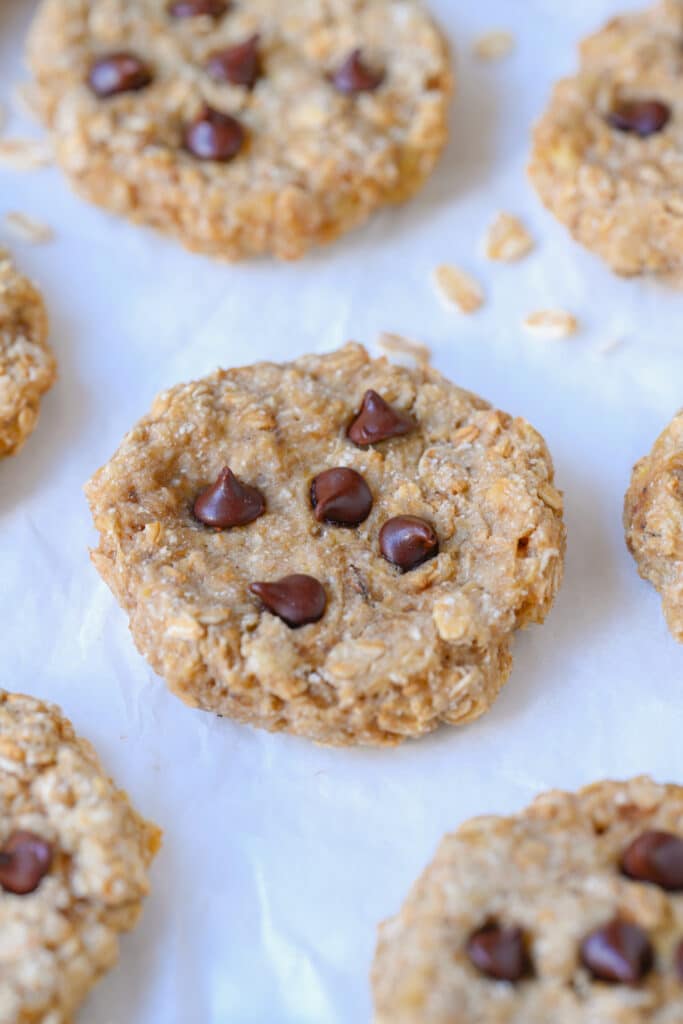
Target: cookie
570	912
74	858
607	151
653	518
336	547
27	365
243	129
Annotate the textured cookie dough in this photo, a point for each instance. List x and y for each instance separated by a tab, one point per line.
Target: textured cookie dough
620	194
315	162
59	939
27	365
394	655
653	518
554	872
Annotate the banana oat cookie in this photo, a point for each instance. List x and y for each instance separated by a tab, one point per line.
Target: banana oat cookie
336	546
653	518
27	365
74	858
608	152
243	128
568	913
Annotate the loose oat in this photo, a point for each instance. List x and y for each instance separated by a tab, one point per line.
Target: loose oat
28	228
550	324
396	344
494	45
458	289
507	240
393	654
24	154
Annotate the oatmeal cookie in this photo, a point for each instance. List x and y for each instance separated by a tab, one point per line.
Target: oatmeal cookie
607	152
27	366
653	518
74	858
337	547
243	129
570	912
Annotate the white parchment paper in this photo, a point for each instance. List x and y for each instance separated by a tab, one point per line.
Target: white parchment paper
279	857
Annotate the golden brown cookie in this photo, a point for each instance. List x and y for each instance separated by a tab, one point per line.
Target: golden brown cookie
607	154
27	365
243	129
653	518
74	858
421	527
568	913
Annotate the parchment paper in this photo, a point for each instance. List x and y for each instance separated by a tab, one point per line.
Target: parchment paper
280	857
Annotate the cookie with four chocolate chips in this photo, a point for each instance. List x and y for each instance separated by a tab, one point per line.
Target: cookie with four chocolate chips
27	365
74	860
243	128
607	152
337	547
570	912
653	519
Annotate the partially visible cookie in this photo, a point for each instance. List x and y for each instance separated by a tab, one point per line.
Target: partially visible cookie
242	129
27	365
570	912
653	518
74	859
336	547
608	152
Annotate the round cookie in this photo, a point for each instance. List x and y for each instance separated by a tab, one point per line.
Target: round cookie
74	858
653	519
608	152
27	366
243	129
438	535
570	912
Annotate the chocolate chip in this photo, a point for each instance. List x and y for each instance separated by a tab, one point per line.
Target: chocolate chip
355	76
197	8
618	952
297	599
228	502
341	496
116	73
238	65
499	952
408	541
640	117
378	421
655	857
25	859
214	136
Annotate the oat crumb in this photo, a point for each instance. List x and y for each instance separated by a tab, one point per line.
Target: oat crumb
494	45
550	324
458	289
507	239
396	344
27	228
24	154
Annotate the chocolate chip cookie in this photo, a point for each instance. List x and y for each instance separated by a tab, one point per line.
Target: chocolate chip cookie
239	128
608	152
336	546
570	912
653	518
74	858
27	365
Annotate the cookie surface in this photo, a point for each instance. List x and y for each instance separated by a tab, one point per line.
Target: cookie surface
339	108
74	858
607	152
653	519
27	365
520	920
406	623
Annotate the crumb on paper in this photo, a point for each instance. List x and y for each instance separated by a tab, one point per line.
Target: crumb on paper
396	344
507	239
494	45
24	154
458	289
28	229
550	324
